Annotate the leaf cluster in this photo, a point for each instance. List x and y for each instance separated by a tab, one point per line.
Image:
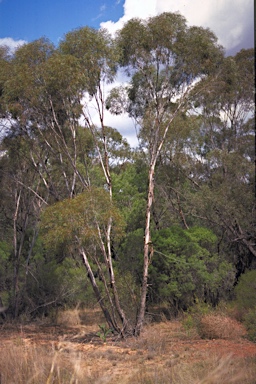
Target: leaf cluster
96	53
78	220
186	266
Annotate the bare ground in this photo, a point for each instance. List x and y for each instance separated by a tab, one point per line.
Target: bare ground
163	349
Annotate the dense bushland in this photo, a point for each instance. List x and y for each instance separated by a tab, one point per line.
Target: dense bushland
84	217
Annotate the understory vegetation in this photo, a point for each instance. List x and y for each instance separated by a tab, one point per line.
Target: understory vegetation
203	346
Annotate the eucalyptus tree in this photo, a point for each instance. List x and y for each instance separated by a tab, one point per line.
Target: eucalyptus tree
48	91
19	179
97	55
29	149
214	164
229	103
20	206
4	69
225	191
165	59
76	224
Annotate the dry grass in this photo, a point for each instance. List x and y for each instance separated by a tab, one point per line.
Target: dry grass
213	371
79	317
164	353
214	326
152	340
22	364
33	364
69	318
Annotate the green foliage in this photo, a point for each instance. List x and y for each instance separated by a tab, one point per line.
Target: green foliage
188	323
205	165
5	250
185	266
203	237
245	290
245	300
128	290
46	281
77	220
57	283
129	189
250	324
64	80
5	273
226	144
25	81
96	52
199	308
118	148
34	53
4	71
166	55
131	254
194	314
104	332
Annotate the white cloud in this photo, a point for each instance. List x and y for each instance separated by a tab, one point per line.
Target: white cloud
123	123
135	8
11	43
132	8
229	19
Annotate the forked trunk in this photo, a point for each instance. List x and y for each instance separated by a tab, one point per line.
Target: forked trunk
110	321
148	253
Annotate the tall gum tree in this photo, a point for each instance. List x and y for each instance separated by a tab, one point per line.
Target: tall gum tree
19	174
97	55
21	209
226	143
165	59
45	96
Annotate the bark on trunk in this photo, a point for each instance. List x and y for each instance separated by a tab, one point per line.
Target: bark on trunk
148	246
96	290
106	250
148	253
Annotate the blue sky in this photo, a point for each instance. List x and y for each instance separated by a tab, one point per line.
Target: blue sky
27	20
31	19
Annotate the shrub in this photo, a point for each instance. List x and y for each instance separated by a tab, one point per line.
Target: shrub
245	290
250	324
213	326
186	266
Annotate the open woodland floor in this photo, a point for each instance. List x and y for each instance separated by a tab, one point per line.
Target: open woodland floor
166	352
